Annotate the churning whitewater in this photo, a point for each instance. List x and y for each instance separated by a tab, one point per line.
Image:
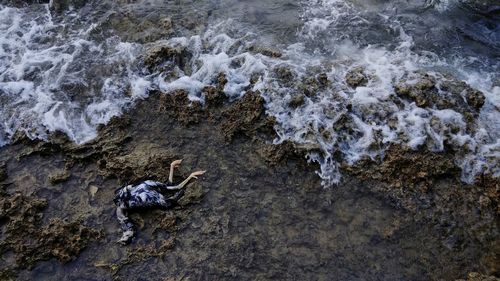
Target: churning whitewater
64	73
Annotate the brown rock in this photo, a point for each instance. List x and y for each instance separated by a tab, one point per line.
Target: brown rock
245	116
177	104
356	77
297	100
165	53
407	168
59	176
214	95
31	241
266	51
475	98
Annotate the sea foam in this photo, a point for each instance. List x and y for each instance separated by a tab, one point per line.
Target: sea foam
71	83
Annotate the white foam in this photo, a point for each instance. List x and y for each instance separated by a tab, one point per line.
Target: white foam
60	85
52	83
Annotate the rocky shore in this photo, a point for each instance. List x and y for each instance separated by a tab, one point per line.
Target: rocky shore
260	211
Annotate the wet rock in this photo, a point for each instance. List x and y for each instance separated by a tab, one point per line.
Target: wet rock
31	241
164	53
214	95
405	168
20	137
475	98
297	100
245	116
145	161
57	177
419	91
224	217
278	154
284	74
62	240
3	171
177	104
322	79
490	197
311	85
356	77
194	193
440	92
266	51
62	5
475	276
455	91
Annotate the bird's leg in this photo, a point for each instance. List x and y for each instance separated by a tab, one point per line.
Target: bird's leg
126	225
193	175
173	165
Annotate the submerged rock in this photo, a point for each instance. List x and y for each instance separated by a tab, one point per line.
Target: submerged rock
285	74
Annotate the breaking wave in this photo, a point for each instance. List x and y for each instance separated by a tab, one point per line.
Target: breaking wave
55	78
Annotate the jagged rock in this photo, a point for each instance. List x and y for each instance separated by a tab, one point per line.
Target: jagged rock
419	92
277	154
403	167
161	53
440	93
214	95
3	171
177	104
245	116
266	51
297	100
138	164
59	176
31	241
284	74
322	79
62	5
356	77
475	98
475	276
